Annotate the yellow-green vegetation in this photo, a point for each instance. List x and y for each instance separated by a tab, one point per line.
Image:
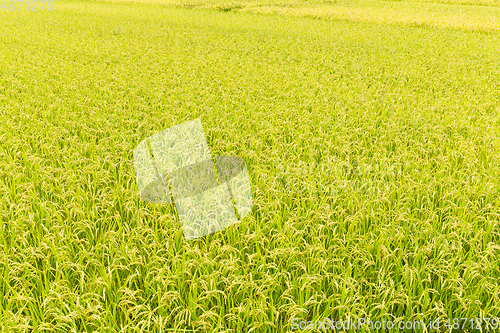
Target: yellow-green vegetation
481	18
476	15
373	150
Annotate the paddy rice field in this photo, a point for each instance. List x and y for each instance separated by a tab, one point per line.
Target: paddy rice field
371	131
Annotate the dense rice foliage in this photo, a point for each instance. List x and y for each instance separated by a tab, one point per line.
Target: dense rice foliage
373	151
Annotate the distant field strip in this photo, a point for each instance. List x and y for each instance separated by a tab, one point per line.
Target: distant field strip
479	18
460	2
469	15
225	3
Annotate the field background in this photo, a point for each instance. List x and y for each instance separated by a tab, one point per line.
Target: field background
372	134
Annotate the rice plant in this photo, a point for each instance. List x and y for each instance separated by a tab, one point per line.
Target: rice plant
372	147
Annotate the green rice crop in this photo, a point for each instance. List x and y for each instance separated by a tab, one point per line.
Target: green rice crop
405	118
476	15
